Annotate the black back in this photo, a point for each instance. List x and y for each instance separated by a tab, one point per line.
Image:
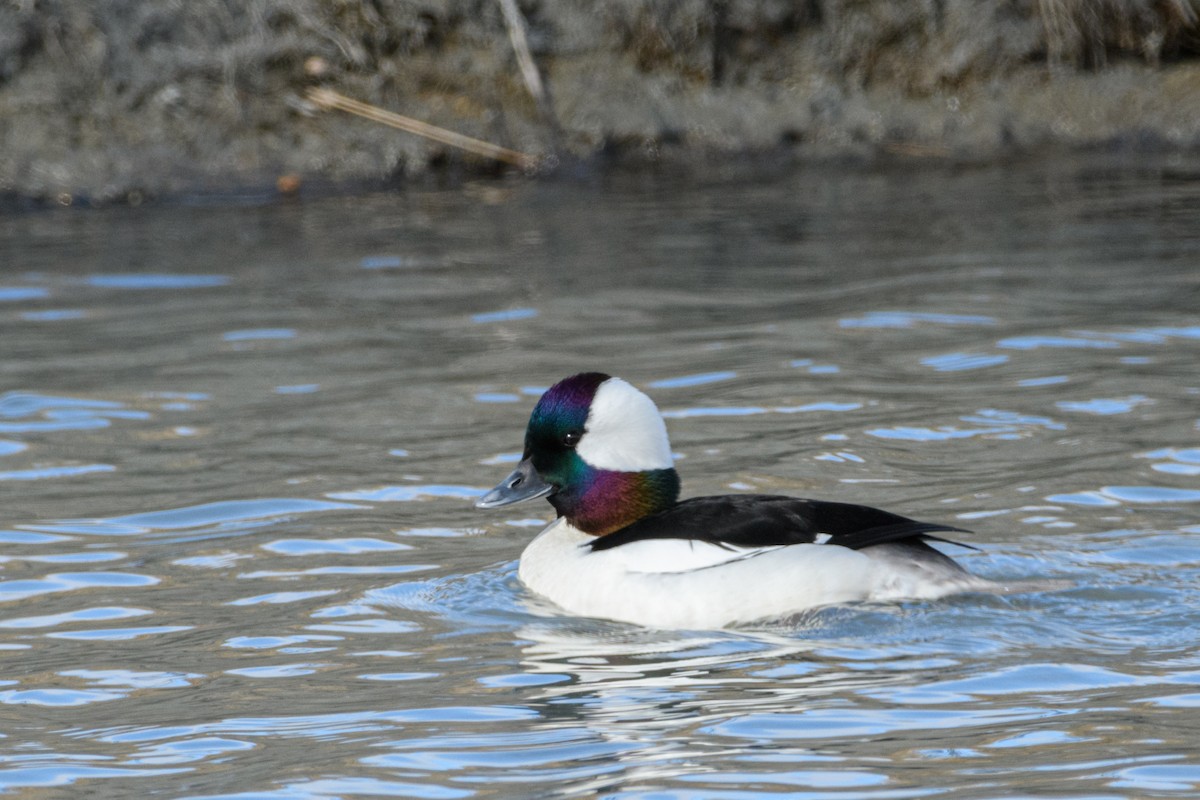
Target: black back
761	520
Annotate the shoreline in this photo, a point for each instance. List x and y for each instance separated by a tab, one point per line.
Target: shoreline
123	108
686	166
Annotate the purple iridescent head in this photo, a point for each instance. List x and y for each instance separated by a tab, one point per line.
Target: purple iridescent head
597	449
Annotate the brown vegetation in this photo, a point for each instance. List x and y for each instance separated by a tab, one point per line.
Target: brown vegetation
113	96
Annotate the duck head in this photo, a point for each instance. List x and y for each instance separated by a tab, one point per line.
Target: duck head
597	449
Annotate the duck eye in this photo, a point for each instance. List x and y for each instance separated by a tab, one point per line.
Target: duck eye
571	438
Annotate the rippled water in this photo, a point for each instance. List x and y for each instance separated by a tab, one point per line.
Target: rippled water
238	445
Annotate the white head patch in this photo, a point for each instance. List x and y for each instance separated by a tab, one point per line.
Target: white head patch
624	431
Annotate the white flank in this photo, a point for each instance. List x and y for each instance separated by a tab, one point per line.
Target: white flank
678	555
673	584
625	432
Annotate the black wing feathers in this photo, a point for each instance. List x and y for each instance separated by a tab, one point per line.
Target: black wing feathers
856	526
756	520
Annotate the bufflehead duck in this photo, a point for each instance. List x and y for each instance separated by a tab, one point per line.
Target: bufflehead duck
624	547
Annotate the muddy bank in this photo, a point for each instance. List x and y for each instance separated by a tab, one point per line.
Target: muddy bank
119	100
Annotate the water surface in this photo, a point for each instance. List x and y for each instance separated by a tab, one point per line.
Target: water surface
238	447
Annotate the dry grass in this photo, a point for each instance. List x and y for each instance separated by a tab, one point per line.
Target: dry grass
1089	32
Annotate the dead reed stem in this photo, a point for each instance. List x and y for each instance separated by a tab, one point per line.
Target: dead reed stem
514	21
327	98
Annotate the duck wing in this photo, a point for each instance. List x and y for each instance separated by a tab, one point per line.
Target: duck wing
742	521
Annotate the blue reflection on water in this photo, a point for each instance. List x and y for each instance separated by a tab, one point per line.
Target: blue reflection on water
957	362
8	448
510	315
1104	406
30	412
54	472
1035	342
699	379
53	315
402	494
204	515
907	319
156	281
10	294
71	581
252	334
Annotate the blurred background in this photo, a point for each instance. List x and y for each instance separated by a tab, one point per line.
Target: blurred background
120	100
